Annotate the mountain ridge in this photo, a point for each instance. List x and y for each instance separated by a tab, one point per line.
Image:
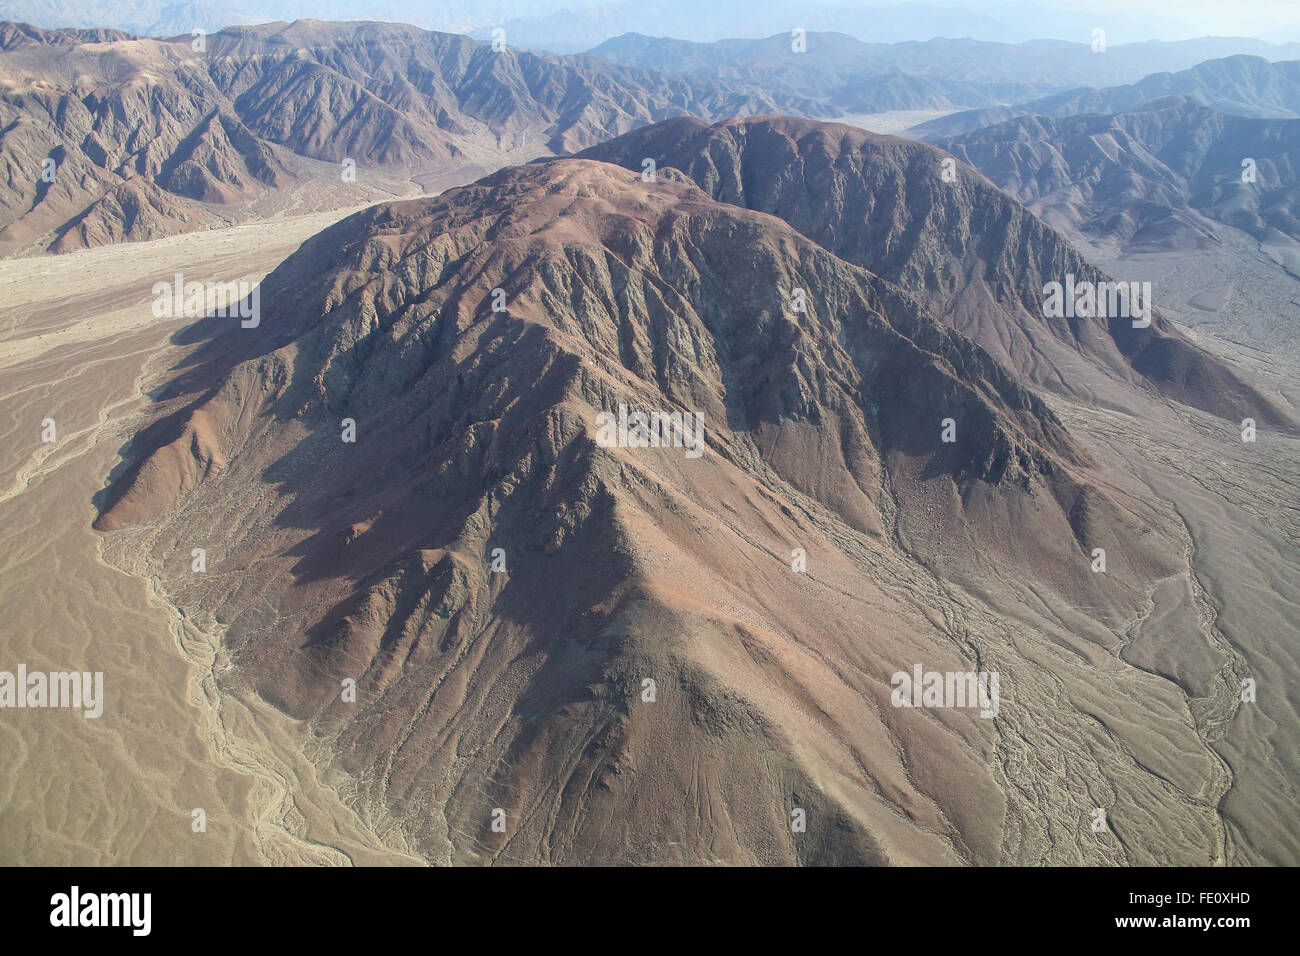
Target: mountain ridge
508	689
982	260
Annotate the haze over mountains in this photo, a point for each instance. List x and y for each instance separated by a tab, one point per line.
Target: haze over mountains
1243	85
435	611
570	26
833	63
574	30
1149	178
153	137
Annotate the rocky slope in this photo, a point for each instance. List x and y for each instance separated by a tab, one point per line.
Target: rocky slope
976	258
515	679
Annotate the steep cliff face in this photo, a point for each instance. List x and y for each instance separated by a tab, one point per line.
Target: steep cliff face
501	583
977	259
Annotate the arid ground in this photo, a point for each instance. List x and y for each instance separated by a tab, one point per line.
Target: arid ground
82	347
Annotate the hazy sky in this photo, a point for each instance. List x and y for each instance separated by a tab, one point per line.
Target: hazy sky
1219	17
1125	20
1165	19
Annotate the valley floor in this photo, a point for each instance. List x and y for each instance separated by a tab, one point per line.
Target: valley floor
79	344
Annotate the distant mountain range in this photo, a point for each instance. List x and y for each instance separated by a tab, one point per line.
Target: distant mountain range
151	137
834	66
580	28
1158	177
1244	85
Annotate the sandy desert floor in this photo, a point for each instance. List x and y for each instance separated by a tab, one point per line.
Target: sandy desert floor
79	344
893	122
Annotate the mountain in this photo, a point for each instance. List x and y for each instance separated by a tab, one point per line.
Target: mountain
640	673
1245	85
833	66
172	18
14	36
109	137
977	259
1159	177
144	137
